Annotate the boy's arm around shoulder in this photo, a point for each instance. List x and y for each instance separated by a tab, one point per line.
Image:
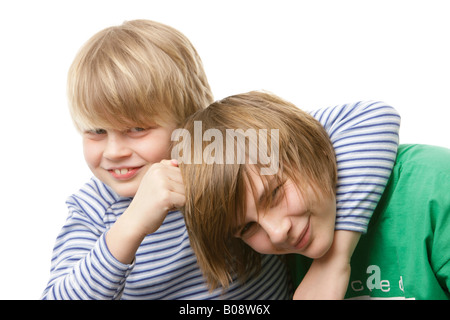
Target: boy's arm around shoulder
365	138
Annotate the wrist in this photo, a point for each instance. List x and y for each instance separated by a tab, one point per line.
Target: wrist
343	246
123	240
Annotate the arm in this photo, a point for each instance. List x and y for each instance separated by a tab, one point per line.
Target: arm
146	213
365	139
90	262
328	276
82	266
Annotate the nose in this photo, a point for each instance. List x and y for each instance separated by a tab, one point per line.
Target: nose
116	147
277	227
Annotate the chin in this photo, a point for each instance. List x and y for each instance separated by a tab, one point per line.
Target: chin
318	247
126	191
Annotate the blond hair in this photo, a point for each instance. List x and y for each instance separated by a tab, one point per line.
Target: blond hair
215	193
134	74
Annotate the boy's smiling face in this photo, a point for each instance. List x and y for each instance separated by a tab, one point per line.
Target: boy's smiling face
289	225
120	158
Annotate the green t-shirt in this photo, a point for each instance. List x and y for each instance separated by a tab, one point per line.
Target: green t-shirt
406	251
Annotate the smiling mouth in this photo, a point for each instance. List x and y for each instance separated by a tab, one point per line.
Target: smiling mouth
124	173
304	237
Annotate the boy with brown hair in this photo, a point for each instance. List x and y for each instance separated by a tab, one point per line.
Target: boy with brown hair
296	208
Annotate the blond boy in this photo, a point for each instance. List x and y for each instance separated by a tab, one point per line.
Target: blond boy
129	87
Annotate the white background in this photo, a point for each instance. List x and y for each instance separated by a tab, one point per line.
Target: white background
313	53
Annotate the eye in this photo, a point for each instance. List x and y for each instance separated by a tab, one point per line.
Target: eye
97	131
137	132
248	230
277	194
95	134
137	129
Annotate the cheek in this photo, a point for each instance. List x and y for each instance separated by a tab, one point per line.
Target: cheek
261	243
322	242
154	150
92	152
324	228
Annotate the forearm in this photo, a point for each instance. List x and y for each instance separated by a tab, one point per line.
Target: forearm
123	240
328	276
160	190
95	275
344	244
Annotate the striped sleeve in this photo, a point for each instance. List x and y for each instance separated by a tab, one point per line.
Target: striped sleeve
365	139
82	266
165	267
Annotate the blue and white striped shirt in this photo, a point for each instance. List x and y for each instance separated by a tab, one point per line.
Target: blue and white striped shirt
365	140
365	137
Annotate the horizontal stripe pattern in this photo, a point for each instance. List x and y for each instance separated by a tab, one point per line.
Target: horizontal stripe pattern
365	139
165	266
